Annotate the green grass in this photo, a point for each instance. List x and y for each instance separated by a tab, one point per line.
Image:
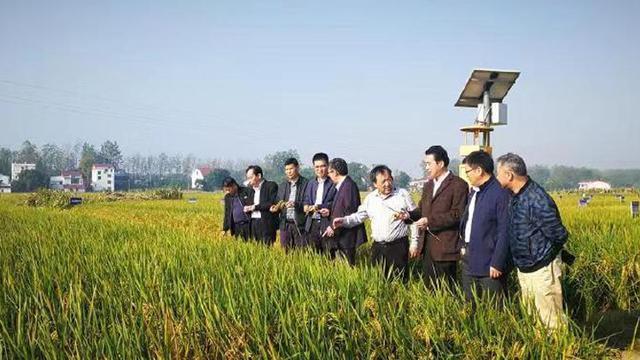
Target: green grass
154	279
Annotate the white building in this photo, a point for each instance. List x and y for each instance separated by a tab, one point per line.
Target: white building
198	174
73	181
102	177
68	180
56	182
594	185
417	185
5	184
17	168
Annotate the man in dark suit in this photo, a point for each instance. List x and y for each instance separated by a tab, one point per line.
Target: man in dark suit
438	214
483	230
318	199
263	222
290	207
344	241
235	199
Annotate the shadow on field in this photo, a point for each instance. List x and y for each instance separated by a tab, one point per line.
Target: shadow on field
618	327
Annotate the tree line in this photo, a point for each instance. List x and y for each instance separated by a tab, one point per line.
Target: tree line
151	171
174	170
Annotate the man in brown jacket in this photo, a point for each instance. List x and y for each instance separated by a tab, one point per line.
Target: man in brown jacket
438	215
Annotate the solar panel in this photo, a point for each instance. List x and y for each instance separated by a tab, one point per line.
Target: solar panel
498	82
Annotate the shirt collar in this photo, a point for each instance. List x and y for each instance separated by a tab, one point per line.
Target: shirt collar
485	185
259	185
440	178
377	194
526	185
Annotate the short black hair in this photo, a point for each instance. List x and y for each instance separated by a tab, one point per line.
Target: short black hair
229	181
480	159
379	169
339	165
320	157
256	170
439	154
291	161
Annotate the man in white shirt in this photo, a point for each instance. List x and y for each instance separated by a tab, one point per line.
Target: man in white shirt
390	233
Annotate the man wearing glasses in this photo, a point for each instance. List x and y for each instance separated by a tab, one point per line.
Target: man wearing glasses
483	231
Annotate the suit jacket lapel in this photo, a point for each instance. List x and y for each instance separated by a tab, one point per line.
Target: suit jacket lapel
428	192
444	184
339	193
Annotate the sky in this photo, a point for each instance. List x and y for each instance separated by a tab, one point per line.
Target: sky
372	82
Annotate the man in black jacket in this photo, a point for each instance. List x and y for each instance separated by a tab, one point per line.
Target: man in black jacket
342	242
536	238
290	207
235	199
263	223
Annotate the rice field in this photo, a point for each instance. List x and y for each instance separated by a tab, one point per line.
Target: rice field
154	278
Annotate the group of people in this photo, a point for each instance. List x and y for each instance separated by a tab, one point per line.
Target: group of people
487	226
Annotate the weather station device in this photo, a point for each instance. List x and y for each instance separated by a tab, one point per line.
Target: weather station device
485	90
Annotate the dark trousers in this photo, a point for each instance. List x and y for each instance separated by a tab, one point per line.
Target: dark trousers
482	286
260	232
343	253
394	257
291	236
314	236
435	272
242	230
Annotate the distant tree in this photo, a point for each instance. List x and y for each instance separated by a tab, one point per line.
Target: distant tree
622	177
163	164
110	153
52	159
274	164
454	165
360	174
28	153
539	174
238	174
30	180
307	172
213	180
188	164
401	179
88	157
175	164
6	157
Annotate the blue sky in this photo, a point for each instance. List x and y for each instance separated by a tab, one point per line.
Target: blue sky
370	82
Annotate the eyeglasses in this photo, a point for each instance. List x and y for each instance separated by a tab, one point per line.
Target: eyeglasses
470	170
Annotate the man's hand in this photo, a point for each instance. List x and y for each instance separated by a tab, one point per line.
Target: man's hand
402	215
249	208
337	222
324	212
494	273
422	223
329	232
273	209
413	252
308	208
